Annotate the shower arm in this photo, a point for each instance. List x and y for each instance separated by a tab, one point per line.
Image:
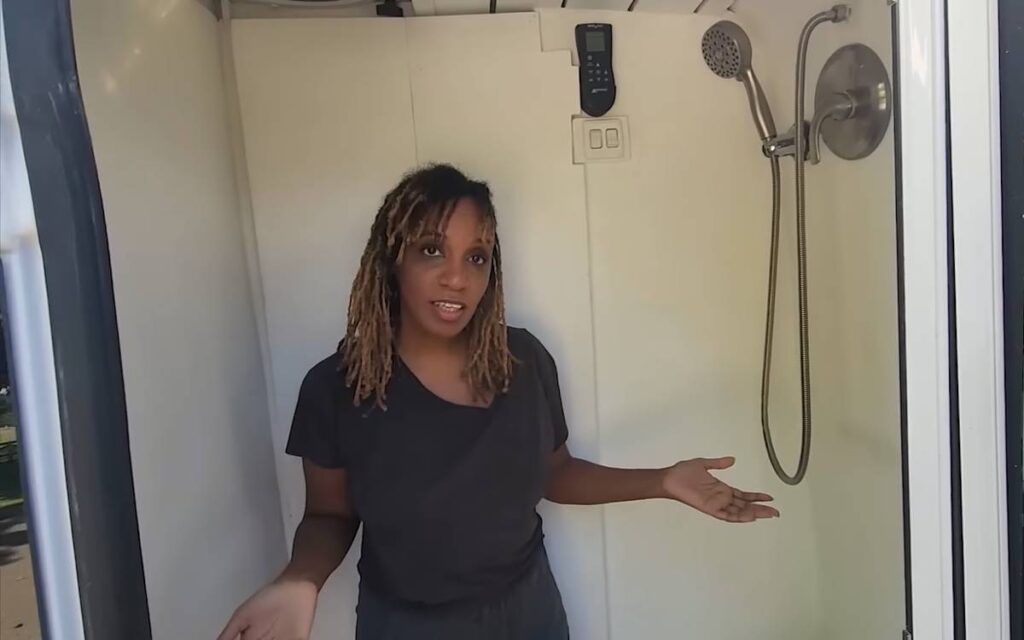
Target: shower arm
841	107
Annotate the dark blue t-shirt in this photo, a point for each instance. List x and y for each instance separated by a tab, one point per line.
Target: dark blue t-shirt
446	493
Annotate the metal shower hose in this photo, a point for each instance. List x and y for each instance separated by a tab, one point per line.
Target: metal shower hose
801	268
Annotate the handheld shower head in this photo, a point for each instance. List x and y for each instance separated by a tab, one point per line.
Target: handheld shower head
728	54
726	49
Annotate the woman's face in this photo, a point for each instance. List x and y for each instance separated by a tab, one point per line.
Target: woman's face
442	279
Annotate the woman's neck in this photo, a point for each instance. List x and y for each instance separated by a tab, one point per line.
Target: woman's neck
418	346
440	366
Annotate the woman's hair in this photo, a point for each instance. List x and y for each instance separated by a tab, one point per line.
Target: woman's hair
421	204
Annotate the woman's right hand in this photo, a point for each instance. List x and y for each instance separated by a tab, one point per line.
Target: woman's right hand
283	610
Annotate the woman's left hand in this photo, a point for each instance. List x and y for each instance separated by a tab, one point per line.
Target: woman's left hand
691	483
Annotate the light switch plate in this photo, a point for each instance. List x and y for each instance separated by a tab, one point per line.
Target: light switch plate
615	128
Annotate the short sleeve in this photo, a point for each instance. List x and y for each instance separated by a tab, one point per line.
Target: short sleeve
548	371
314	434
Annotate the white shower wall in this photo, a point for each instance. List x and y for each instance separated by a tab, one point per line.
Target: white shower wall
205	491
677	256
855	474
646	278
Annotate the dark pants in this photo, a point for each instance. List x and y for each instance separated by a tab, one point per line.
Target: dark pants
531	610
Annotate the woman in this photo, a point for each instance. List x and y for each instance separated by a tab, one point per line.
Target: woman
438	429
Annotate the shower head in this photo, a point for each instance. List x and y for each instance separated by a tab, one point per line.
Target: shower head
728	54
726	49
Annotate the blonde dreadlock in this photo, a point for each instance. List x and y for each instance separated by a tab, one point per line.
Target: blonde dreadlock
422	202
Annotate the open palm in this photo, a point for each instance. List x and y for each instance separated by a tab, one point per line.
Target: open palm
691	482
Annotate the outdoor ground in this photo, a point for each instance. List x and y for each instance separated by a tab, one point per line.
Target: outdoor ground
18	617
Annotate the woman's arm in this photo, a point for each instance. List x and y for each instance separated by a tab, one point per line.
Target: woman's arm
327	529
575	481
284	609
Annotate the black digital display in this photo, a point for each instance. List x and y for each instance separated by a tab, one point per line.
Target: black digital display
595	41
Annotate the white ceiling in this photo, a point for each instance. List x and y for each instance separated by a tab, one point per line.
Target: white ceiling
353	8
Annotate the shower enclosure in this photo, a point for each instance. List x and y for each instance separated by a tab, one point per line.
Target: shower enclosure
240	150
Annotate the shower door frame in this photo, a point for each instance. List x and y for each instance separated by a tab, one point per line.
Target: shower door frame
975	188
957	114
951	318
